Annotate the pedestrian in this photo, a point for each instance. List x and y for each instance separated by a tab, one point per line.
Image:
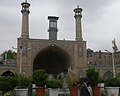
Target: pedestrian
83	88
89	88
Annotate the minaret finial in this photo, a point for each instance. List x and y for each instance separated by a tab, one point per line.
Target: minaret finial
25	0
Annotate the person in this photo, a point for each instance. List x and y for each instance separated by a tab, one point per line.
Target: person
89	88
83	88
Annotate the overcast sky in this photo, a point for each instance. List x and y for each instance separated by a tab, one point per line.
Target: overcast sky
100	21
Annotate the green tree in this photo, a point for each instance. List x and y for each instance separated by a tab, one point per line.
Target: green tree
112	82
10	54
93	76
7	83
39	77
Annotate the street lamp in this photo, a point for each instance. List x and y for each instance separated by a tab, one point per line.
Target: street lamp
113	62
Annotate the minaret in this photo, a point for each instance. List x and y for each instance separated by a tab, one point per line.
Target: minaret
25	19
53	27
78	17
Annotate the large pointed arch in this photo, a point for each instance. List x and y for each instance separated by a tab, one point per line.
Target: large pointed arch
53	59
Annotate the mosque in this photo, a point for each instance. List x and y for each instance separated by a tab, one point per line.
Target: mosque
53	55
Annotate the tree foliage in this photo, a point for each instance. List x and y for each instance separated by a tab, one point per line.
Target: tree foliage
7	83
39	77
112	82
9	54
54	83
93	76
23	82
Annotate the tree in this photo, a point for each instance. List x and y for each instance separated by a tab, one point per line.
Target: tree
10	54
7	83
39	77
93	76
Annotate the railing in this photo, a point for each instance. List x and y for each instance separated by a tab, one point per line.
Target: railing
8	63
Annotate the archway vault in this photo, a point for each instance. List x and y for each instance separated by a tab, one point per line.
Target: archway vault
53	59
8	73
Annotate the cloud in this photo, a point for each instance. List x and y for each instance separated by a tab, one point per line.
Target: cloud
100	21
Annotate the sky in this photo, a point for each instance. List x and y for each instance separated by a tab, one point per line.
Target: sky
100	21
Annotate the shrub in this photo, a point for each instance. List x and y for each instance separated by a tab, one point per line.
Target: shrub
93	76
72	78
112	82
54	83
39	77
23	82
7	83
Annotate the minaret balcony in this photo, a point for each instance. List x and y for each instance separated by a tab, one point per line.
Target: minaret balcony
53	29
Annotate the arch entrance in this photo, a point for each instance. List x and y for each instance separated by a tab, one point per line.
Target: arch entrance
53	59
108	74
8	73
